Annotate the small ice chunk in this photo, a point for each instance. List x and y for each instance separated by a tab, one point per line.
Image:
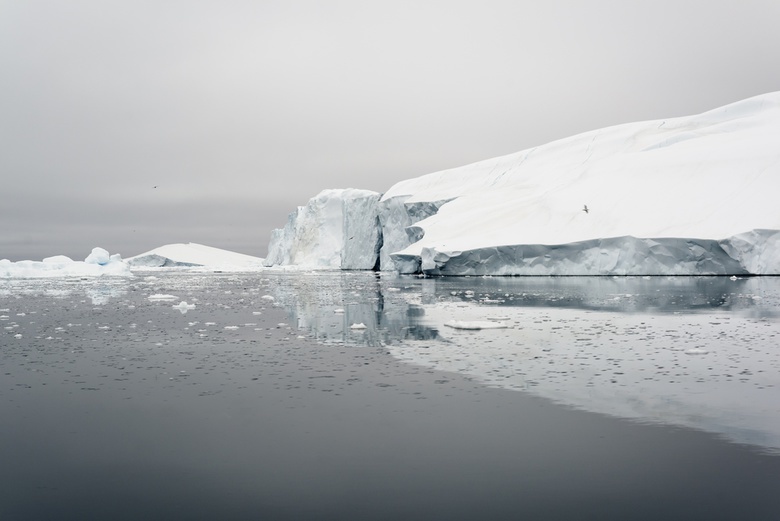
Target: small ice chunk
475	324
184	307
696	351
98	256
162	296
359	325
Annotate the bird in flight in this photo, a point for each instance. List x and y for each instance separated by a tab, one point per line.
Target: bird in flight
585	209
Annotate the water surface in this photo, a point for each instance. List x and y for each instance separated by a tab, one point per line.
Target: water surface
264	402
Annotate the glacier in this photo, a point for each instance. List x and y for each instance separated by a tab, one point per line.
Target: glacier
694	195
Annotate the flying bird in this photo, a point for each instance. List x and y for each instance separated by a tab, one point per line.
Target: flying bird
585	209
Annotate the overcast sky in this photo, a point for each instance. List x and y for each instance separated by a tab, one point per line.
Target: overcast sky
239	111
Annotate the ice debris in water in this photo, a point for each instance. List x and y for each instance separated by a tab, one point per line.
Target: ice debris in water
475	324
97	263
183	307
360	325
162	296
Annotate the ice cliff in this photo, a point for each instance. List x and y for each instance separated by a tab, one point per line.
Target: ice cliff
684	196
337	229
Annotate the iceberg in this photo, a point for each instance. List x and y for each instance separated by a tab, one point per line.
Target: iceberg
692	195
194	255
337	229
97	263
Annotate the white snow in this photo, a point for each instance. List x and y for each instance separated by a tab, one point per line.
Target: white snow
192	254
97	263
687	195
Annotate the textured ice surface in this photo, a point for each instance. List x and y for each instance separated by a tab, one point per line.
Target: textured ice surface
690	195
337	229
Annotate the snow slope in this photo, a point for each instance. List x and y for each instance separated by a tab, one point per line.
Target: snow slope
192	254
688	195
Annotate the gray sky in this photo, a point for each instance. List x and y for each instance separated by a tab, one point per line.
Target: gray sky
239	111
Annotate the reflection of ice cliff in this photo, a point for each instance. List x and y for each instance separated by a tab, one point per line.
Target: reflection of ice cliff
657	351
328	305
693	195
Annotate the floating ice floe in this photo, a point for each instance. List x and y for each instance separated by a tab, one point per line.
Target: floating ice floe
97	263
475	324
161	296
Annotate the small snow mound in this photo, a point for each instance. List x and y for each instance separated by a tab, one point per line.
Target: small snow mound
474	325
696	351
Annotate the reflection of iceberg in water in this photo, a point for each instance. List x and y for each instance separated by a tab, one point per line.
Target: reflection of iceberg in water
328	304
99	290
613	346
102	292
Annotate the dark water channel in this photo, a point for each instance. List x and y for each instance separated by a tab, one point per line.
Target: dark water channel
350	396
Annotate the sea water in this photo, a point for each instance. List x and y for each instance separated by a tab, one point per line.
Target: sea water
351	395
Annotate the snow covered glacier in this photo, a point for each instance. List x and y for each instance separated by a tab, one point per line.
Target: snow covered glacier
694	195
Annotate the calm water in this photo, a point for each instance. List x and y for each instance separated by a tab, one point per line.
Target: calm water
598	398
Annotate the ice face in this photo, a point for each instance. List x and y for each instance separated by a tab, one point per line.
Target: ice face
337	229
685	196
